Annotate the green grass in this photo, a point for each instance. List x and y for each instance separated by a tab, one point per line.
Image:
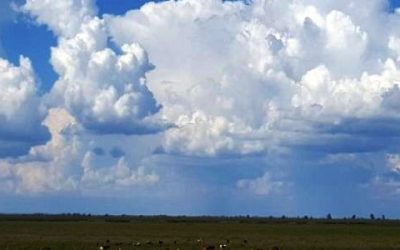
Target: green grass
263	234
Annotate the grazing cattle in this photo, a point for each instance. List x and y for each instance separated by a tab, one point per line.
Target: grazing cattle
138	244
160	242
244	241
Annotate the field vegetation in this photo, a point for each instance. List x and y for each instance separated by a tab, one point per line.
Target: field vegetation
73	232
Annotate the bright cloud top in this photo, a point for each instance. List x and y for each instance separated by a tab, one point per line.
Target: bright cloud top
211	79
65	17
274	70
104	91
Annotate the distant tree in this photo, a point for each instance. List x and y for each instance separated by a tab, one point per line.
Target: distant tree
329	216
353	217
305	217
383	217
372	216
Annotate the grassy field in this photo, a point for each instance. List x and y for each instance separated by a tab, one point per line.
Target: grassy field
74	232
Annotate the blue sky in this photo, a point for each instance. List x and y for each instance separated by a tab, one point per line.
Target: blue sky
200	107
394	4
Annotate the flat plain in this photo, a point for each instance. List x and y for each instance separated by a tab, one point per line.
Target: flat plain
77	232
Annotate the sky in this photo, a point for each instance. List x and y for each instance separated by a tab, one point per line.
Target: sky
200	107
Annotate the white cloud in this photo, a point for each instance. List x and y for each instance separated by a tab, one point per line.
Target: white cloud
63	17
393	162
66	163
44	168
235	79
384	187
119	175
20	111
264	185
246	79
104	90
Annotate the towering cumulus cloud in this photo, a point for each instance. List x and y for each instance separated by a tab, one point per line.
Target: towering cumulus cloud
250	78
287	89
101	90
105	91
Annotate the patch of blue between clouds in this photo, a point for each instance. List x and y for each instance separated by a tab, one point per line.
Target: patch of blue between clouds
30	40
393	5
120	7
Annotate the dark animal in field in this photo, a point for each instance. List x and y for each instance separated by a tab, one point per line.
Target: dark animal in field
209	248
160	242
175	242
275	248
245	241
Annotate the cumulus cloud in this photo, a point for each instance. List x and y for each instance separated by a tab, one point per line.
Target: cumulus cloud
119	175
104	90
273	70
66	162
63	17
43	169
264	185
394	162
103	86
236	78
20	111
